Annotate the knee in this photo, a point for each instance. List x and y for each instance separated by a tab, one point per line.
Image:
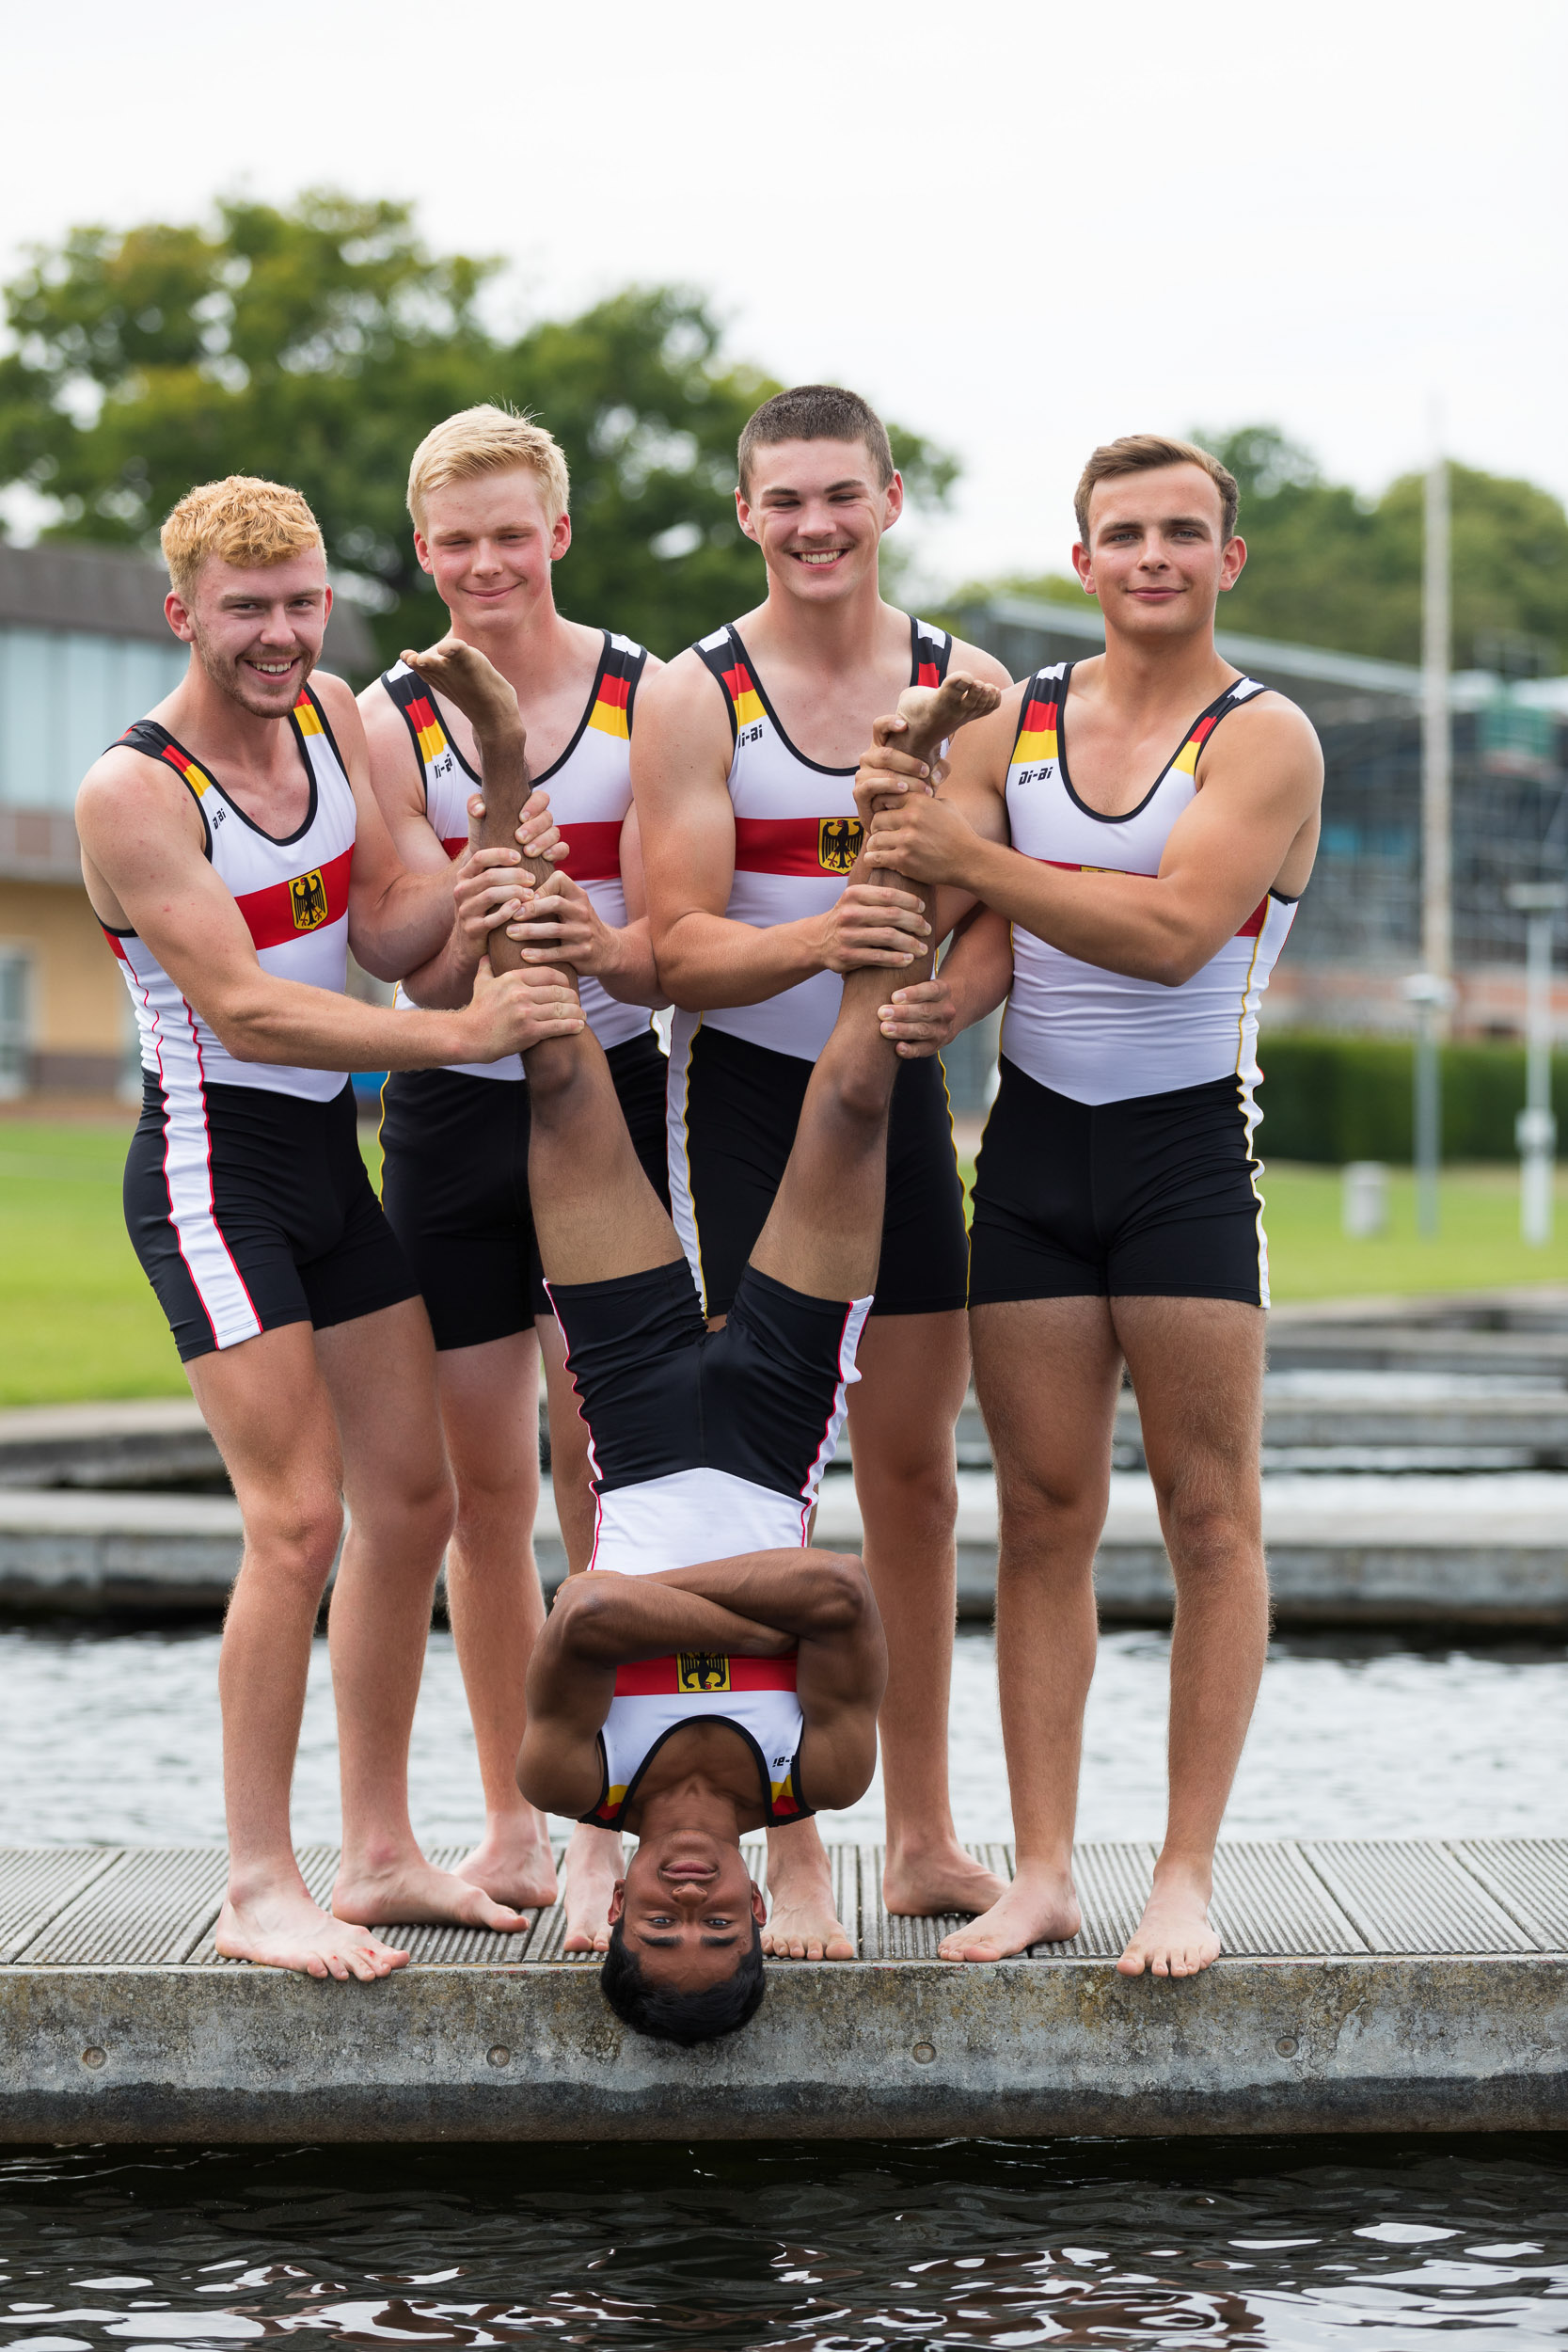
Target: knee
294	1540
859	1090
554	1069
921	1493
1043	1512
1210	1535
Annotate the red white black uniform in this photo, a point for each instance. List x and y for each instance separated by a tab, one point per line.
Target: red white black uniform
737	1075
1118	1158
455	1141
245	1196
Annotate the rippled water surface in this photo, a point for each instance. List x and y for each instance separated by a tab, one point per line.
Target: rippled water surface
990	2244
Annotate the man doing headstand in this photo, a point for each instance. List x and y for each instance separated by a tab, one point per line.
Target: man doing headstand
711	1675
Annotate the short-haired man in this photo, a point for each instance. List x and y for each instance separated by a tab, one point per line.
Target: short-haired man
487	492
684	1695
1117	1211
744	773
232	852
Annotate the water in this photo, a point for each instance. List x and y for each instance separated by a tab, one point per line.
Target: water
1337	2244
824	2246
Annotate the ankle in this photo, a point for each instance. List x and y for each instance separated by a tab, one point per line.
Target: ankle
1189	1869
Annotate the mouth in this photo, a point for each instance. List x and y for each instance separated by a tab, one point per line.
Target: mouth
687	1874
819	559
273	670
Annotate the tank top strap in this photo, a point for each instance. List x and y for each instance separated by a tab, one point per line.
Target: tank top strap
1039	714
723	655
435	750
621	666
1239	690
931	651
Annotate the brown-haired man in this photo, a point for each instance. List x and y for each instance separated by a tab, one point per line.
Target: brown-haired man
487	495
232	852
1117	1215
743	767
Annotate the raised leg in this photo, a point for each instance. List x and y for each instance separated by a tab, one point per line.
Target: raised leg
380	1371
1046	1372
489	1410
570	1469
913	1373
1197	1367
270	1413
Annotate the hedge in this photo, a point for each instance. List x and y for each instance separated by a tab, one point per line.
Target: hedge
1351	1098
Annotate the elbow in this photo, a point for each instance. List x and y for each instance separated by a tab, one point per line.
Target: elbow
581	1614
244	1031
843	1603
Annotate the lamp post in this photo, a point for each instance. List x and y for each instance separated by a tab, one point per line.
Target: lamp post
1431	995
1535	1130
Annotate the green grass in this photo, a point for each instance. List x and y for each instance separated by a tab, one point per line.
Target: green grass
79	1320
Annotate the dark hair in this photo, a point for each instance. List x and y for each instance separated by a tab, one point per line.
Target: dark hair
669	2015
814	412
1144	453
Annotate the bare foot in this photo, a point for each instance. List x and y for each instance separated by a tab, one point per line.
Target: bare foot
469	679
594	1860
1039	1907
932	713
512	1861
284	1929
413	1892
923	1885
1174	1937
803	1923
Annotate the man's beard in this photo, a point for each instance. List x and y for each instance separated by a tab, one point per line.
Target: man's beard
226	672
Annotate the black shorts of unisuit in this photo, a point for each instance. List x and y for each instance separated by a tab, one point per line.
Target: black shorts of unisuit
250	1209
734	1109
1151	1198
762	1399
454	1184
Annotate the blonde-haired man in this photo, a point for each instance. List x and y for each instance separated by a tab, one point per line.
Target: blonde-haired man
1117	1211
233	853
487	492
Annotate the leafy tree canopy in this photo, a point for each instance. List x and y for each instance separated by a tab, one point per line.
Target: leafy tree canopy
317	343
1327	567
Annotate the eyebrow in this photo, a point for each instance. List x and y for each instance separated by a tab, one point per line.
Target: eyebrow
787	490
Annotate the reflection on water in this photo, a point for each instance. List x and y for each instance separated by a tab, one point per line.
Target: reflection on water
115	1737
992	2244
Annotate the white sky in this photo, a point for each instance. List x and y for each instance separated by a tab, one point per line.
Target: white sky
1018	228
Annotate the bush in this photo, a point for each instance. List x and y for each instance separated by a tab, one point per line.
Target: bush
1334	1099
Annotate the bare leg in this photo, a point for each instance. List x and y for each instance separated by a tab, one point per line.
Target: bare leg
266	1406
1047	1373
1202	1437
490	1414
570	1473
380	1369
914	1370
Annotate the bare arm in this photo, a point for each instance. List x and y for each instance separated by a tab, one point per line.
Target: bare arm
559	922
146	872
1253	822
680	774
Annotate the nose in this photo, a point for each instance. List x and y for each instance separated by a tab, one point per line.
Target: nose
277	629
486	557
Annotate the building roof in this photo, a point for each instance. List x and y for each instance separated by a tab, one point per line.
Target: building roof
116	592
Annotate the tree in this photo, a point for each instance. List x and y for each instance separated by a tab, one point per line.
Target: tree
318	343
1328	567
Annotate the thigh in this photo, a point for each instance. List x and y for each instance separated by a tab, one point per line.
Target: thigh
454	1187
380	1374
1196	1366
733	1110
364	1269
641	1073
774	1383
1047	1373
923	1268
1179	1185
271	1415
633	1352
1035	1232
904	1408
489	1397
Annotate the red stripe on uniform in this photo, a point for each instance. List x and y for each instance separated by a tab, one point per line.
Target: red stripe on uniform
115	948
738	680
660	1678
454	848
594	851
422	711
928	674
270	914
781	845
612	689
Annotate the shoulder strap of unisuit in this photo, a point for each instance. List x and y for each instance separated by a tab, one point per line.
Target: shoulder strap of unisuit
931	651
621	666
154	741
1039	714
723	654
413	698
1239	690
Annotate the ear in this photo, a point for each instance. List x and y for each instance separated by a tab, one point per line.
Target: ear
177	612
1233	557
1083	564
743	515
422	548
759	1908
618	1901
561	537
893	500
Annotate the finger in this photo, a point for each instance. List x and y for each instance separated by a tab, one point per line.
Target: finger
881	729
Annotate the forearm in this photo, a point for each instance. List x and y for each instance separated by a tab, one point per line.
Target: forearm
1143	925
446	982
706	961
272	1020
978	967
633	979
612	1620
404	927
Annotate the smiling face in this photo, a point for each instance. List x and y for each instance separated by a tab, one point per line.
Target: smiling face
257	629
819	509
686	1907
488	545
1157	559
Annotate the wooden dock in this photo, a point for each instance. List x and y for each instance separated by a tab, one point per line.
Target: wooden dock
1369	1985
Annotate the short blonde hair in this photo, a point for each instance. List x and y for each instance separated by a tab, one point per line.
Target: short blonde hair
241	519
1144	452
482	440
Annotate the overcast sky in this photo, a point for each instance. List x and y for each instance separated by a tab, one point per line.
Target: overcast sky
1017	229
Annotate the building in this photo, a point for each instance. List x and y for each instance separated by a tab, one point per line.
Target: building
1356	937
83	650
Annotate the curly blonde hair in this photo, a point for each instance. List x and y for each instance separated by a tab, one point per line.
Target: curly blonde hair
240	519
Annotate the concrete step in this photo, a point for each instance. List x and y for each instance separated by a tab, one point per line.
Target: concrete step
1354	1550
1389	1985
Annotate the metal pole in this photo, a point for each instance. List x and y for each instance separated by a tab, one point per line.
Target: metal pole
1436	762
1535	1130
1430	996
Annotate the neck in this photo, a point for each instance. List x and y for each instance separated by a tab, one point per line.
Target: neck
528	650
692	1803
1142	672
846	635
219	729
